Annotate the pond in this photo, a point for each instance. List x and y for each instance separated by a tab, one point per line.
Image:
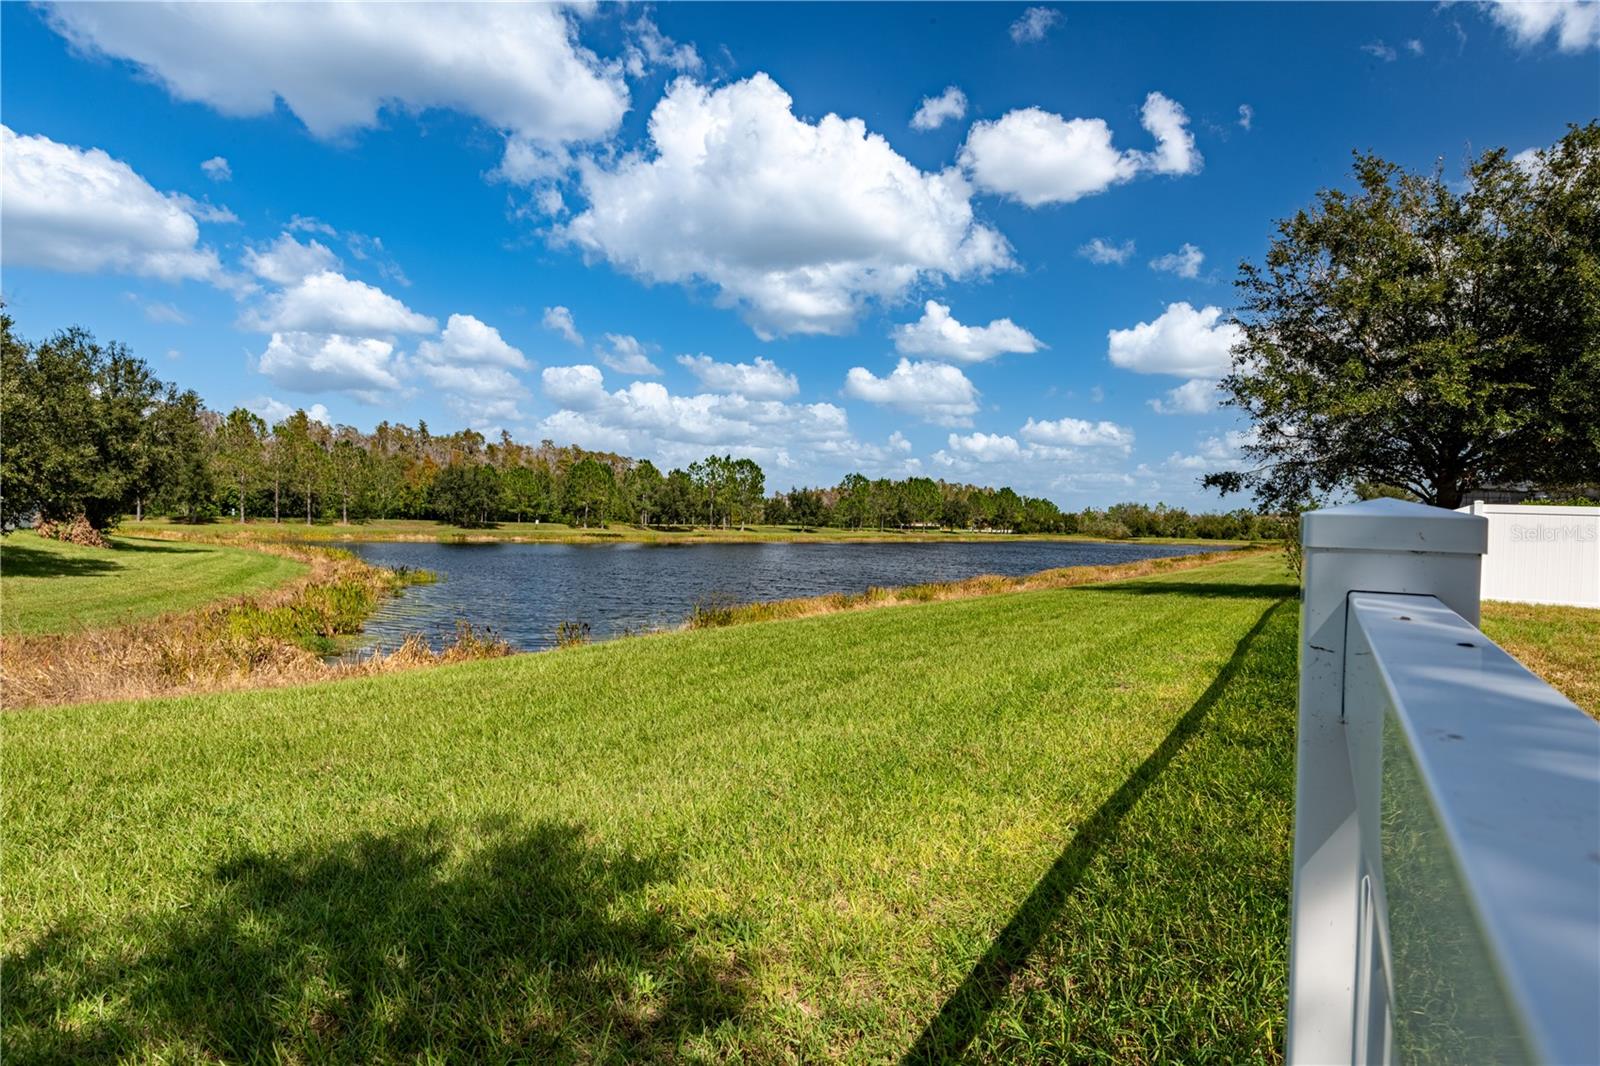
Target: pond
524	591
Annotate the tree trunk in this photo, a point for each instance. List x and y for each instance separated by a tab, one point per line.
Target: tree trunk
138	508
276	486
308	507
344	511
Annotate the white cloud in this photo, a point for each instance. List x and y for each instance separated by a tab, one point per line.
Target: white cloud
1197	396
1181	341
1185	262
1216	452
798	224
1166	121
216	168
1414	46
160	312
305	224
626	355
1247	116
650	49
986	447
1078	433
274	411
336	66
364	367
1576	25
559	320
1102	251
473	365
81	211
286	261
941	336
948	106
1378	50
935	392
466	341
761	380
1033	24
1530	161
646	418
328	302
1037	157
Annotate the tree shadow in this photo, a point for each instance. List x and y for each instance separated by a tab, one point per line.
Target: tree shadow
948	1034
21	560
533	946
129	544
1201	589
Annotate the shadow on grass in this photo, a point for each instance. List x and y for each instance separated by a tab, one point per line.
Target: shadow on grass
21	560
532	947
947	1036
1199	589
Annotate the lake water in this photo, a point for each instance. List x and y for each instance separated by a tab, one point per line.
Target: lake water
523	591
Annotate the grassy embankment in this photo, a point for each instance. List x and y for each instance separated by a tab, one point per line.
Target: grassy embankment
558	533
1046	824
148	618
47	586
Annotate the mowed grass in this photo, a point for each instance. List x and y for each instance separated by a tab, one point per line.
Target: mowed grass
47	586
1038	826
1560	644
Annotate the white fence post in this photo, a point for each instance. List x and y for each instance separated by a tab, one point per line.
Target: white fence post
1375	546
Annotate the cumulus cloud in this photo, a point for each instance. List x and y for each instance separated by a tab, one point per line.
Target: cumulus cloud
797	224
364	367
329	302
274	411
1247	116
646	418
216	168
1575	24
1215	452
934	392
985	447
1033	24
1037	157
337	66
81	211
1078	433
286	261
1378	50
626	355
948	106
471	365
558	319
761	380
1102	251
937	334
1185	262
1181	341
1197	396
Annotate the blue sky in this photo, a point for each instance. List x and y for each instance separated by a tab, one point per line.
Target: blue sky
757	248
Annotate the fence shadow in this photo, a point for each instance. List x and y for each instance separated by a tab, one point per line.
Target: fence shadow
947	1035
533	947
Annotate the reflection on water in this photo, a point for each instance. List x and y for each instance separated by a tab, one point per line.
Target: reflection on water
523	591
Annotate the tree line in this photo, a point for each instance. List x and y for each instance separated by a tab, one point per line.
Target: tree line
93	434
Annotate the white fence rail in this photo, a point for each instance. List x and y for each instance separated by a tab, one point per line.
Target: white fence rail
1447	814
1539	554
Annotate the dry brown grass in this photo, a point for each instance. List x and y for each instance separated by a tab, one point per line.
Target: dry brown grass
710	615
278	637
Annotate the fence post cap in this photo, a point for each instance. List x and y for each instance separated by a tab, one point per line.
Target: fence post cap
1395	525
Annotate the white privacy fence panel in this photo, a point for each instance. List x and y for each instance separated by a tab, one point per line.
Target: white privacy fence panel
1447	814
1539	554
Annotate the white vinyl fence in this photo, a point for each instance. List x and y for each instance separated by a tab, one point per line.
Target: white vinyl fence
1447	814
1541	554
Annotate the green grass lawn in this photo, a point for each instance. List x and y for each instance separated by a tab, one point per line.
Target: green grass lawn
47	586
1044	825
426	529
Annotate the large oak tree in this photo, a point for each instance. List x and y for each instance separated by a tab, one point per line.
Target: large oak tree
1425	335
